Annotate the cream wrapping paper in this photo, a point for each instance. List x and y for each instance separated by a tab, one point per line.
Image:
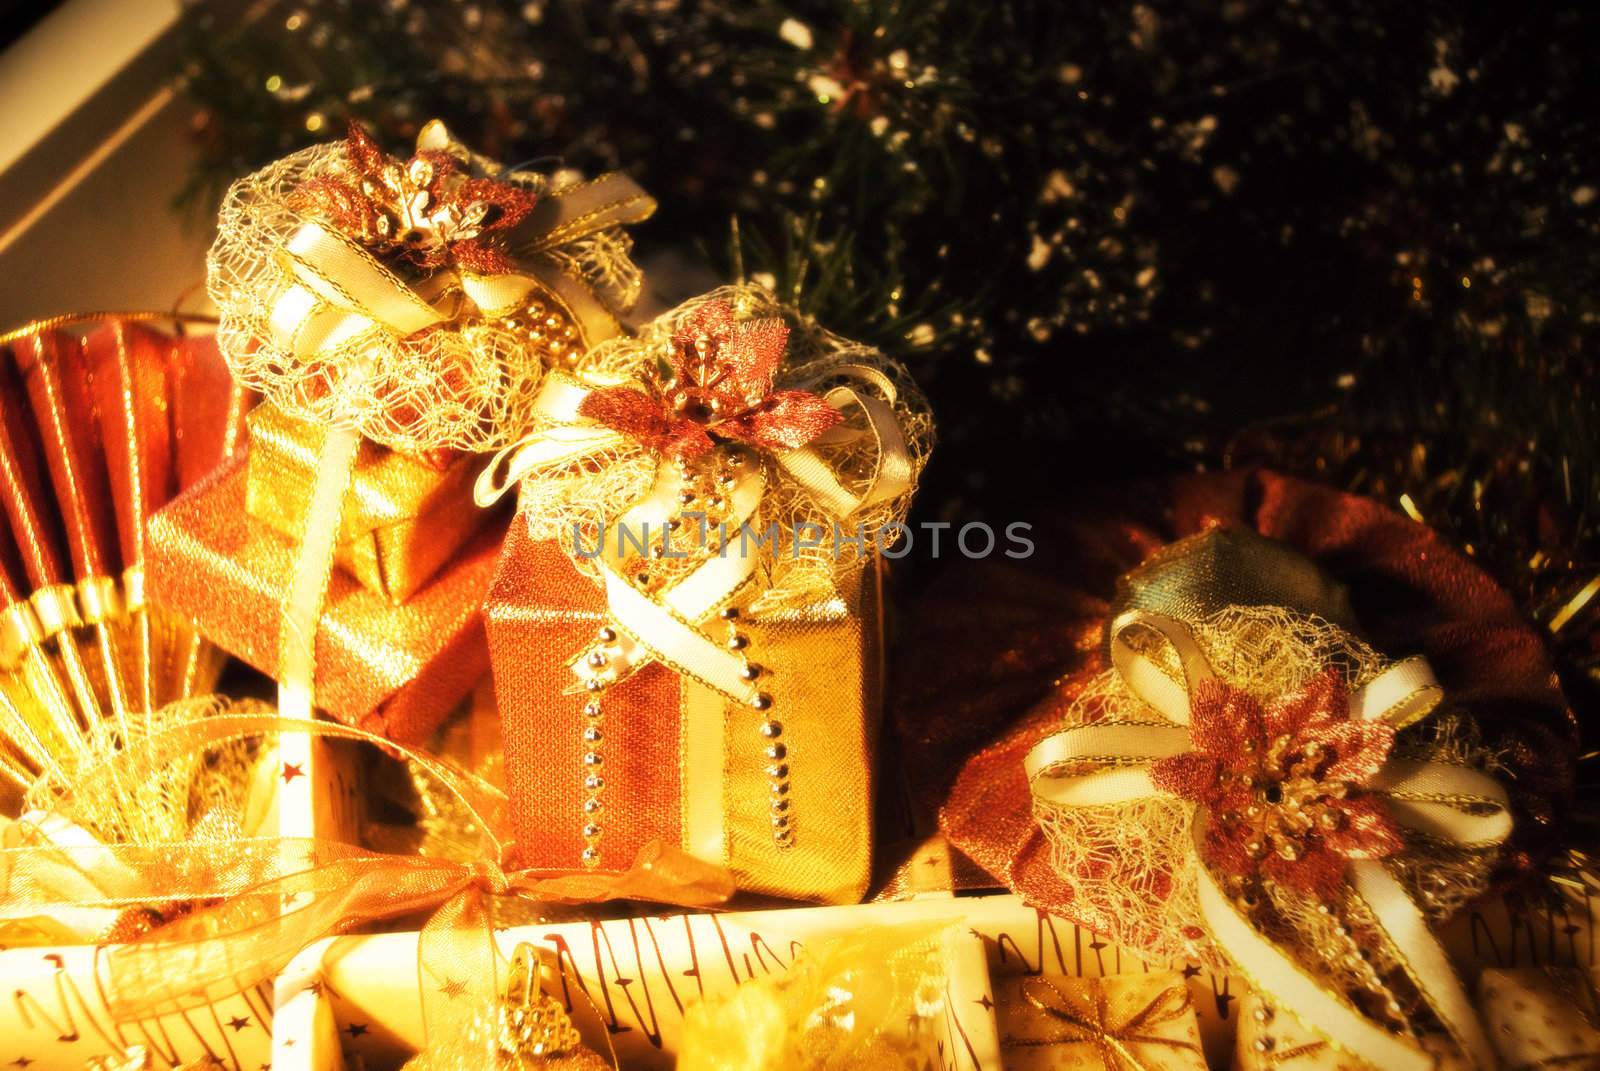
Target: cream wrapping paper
640	972
54	1018
1542	1018
1127	1022
1270	1038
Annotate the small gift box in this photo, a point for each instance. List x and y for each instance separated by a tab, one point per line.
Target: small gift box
1271	1038
404	515
393	669
1128	1022
724	479
1541	1017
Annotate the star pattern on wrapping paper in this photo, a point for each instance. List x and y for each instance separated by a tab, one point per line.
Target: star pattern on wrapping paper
356	1030
985	1002
291	770
1283	783
238	1022
716	384
22	1062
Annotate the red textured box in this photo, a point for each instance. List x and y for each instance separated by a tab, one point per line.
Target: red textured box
394	669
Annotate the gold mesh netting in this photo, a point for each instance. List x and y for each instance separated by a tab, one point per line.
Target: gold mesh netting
1131	867
466	384
143	790
587	498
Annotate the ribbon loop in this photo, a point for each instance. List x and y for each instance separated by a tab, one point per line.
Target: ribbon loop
1147	679
665	625
1108	763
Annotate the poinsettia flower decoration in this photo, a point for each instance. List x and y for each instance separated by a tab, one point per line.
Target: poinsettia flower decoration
428	210
1283	783
716	384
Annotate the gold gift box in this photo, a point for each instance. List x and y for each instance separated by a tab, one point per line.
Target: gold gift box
1124	1022
683	765
405	515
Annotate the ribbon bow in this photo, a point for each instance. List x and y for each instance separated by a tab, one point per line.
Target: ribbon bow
666	624
340	288
1144	758
1087	1020
244	908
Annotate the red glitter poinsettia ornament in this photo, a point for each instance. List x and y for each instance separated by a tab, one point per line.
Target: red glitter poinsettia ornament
717	384
1283	783
428	210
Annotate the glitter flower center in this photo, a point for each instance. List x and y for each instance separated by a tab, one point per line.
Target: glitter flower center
1290	802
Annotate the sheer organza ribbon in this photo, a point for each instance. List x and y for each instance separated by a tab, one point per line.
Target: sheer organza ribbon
245	907
1451	803
669	626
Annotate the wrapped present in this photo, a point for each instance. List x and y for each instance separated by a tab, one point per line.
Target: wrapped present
397	670
654	986
1542	1018
1252	784
398	315
872	998
1269	1038
1131	1022
405	515
701	509
680	775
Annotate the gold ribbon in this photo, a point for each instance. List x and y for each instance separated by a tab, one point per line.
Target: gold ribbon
340	289
1088	1021
1452	803
667	626
256	902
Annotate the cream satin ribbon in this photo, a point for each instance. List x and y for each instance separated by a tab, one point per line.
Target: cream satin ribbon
338	289
1453	803
666	626
313	565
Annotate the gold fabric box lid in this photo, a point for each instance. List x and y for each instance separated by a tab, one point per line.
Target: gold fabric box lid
405	515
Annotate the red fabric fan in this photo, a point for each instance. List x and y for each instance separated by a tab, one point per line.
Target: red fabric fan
97	431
